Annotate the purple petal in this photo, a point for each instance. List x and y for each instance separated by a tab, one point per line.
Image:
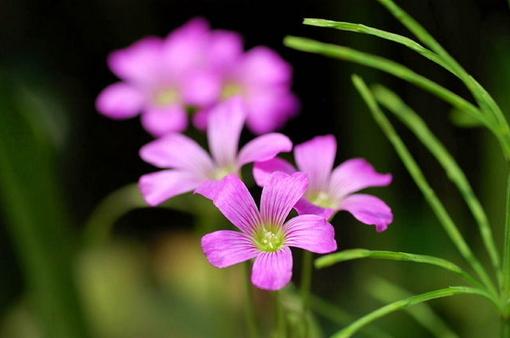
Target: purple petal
272	270
120	101
369	210
201	88
316	158
236	204
177	151
138	63
262	170
264	148
225	48
200	119
269	108
223	130
210	188
160	186
354	175
160	121
225	248
310	232
303	207
183	49
263	66
280	195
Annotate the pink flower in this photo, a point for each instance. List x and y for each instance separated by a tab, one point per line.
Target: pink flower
264	234
263	79
331	190
162	77
189	167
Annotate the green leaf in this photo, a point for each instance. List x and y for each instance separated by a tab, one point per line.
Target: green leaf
350	330
483	98
352	254
36	220
363	29
417	174
415	123
463	120
393	68
388	292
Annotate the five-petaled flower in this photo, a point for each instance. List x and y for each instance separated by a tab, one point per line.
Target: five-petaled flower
190	167
265	235
331	190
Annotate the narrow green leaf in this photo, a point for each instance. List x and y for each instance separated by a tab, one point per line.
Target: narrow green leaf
363	29
391	67
387	292
341	317
415	123
37	222
422	183
352	254
483	98
463	120
350	330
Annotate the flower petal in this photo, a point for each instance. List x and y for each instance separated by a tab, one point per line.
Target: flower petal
200	119
310	232
210	188
262	170
269	108
264	148
225	248
354	175
316	158
263	66
236	204
138	63
272	270
160	186
303	206
160	121
369	210
223	130
177	151
225	48
280	195
120	101
183	50
201	88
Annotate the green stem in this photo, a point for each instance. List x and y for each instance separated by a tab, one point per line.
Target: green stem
251	318
118	203
506	252
281	325
306	285
505	327
420	180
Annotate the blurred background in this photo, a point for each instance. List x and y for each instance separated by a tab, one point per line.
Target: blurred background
59	159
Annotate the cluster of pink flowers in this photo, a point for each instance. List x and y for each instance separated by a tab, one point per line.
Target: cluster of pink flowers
190	71
207	71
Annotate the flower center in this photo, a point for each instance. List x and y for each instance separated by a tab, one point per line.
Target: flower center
221	172
231	90
269	238
322	199
165	97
